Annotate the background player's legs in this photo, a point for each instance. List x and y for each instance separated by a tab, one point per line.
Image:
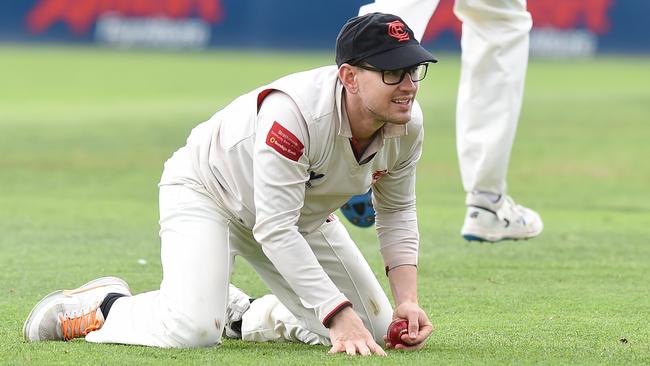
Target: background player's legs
345	265
416	13
494	61
189	308
493	68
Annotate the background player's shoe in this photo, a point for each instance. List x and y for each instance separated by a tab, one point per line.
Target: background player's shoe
67	314
238	304
359	210
502	220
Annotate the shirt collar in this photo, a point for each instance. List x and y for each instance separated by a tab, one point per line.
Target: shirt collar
390	130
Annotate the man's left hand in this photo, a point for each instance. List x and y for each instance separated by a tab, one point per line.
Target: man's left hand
419	328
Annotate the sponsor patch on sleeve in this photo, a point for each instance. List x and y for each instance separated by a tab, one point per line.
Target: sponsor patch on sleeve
284	142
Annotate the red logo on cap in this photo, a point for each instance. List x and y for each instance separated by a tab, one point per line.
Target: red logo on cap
396	29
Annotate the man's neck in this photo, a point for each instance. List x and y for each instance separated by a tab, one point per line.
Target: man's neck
362	126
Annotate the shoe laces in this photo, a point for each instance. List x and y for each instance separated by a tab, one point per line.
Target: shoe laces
75	326
509	210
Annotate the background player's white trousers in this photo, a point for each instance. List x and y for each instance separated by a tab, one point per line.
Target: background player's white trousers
493	68
198	242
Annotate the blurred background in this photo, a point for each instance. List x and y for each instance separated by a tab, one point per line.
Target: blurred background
568	28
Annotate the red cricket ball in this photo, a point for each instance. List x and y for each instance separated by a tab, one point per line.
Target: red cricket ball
395	330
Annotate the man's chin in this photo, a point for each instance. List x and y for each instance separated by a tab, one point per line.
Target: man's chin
401	120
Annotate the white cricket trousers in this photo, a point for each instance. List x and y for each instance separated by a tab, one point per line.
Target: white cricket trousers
198	243
493	69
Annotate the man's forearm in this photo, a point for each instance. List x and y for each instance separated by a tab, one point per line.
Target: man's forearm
403	284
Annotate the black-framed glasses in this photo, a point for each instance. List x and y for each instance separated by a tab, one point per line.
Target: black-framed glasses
394	77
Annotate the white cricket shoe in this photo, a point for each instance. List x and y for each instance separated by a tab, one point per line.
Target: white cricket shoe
238	304
502	220
67	314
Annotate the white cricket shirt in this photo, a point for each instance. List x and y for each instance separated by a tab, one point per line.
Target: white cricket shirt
279	159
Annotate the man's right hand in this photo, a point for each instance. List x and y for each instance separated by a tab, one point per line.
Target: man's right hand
348	334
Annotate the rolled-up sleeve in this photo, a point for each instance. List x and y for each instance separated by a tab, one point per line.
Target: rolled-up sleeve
280	173
394	203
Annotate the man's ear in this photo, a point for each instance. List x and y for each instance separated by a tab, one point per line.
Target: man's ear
348	76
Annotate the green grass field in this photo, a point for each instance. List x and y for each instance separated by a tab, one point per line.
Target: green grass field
84	134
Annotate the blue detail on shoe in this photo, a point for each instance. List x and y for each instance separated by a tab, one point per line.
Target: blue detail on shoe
359	210
470	237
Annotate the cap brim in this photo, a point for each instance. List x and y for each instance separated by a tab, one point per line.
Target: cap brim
399	58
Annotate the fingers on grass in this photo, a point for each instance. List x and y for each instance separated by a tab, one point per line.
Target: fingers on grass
375	348
354	348
350	348
336	348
